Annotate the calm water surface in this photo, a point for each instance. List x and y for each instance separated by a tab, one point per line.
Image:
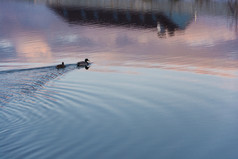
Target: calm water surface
163	82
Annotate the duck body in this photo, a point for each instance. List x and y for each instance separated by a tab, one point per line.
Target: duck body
83	63
60	66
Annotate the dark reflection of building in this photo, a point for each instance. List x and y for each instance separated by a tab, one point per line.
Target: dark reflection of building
165	22
233	8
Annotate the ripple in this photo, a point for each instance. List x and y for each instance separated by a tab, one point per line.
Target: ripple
161	88
19	83
84	113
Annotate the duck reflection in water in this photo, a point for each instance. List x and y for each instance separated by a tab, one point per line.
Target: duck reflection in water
86	64
87	67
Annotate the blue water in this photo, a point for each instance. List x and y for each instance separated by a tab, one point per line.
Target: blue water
152	91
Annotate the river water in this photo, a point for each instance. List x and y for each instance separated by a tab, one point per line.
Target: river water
163	82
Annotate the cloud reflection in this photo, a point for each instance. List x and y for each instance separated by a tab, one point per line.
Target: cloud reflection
33	48
209	32
205	46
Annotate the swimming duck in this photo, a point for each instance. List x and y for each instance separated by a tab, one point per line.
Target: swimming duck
60	66
83	63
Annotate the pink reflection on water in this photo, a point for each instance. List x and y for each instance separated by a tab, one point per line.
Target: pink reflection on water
33	48
206	46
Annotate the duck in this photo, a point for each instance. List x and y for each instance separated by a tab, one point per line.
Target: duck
60	66
83	63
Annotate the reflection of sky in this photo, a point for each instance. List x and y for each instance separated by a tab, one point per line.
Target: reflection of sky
212	31
32	33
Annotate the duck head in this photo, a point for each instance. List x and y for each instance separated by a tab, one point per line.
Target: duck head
87	61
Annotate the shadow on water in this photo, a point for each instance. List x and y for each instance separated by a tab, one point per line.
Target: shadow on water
16	84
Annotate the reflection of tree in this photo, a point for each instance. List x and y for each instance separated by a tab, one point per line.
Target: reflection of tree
202	2
233	8
164	32
171	15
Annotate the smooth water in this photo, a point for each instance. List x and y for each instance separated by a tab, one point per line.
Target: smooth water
163	82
